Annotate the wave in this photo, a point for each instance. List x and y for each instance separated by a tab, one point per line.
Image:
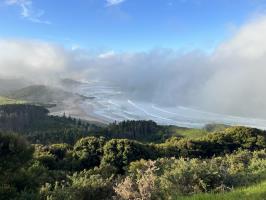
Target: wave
165	111
148	113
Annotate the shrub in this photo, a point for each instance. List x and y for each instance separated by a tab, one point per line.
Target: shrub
94	184
141	185
88	151
15	151
120	152
168	177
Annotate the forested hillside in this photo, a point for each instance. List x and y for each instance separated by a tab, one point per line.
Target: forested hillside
38	127
47	157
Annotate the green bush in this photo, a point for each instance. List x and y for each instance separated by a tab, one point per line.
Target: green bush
120	152
15	154
93	184
88	151
15	151
171	177
56	156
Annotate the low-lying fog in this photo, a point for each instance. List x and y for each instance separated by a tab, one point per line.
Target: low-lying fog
109	103
168	86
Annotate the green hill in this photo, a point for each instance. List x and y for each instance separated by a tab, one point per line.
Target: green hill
7	85
41	94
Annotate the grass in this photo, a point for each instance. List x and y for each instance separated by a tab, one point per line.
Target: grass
193	133
188	132
255	192
5	101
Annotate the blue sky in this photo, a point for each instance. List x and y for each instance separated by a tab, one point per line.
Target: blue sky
126	25
135	45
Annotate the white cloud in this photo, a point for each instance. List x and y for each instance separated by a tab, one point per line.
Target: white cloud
238	84
108	54
75	47
114	2
31	59
230	80
28	11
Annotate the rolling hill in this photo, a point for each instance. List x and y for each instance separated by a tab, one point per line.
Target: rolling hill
41	94
7	85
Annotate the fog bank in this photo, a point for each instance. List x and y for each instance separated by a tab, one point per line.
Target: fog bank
230	80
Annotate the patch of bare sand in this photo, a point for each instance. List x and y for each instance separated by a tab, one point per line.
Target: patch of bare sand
72	107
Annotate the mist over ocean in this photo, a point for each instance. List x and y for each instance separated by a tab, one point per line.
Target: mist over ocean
110	104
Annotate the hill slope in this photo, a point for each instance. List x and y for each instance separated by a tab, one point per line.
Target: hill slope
41	94
7	85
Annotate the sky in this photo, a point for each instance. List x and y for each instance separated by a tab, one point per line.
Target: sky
205	54
127	25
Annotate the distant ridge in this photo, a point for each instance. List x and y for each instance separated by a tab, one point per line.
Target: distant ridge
40	94
7	85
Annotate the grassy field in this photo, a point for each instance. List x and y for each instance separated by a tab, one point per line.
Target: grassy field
255	192
188	132
4	101
193	133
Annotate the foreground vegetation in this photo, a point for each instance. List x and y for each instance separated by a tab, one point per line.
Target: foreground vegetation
54	158
255	192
